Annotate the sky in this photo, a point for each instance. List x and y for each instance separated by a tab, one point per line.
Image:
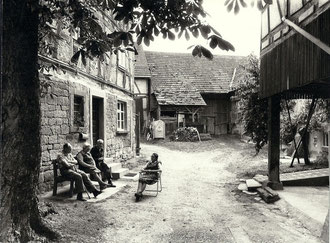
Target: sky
241	30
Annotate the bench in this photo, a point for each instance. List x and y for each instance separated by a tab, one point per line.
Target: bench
58	179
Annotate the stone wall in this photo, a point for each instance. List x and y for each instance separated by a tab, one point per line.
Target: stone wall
120	145
57	122
55	107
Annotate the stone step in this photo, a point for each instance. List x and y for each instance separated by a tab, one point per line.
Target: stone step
117	174
318	177
108	160
252	184
114	166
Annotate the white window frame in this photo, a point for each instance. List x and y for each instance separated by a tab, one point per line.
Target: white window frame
121	116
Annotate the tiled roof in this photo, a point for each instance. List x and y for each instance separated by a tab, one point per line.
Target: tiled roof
177	91
179	77
141	65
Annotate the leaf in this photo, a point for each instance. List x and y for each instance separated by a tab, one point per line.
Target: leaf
190	47
225	45
227	1
206	53
213	43
186	35
237	8
180	33
171	36
268	1
117	41
230	6
196	51
146	41
205	30
139	40
195	33
244	5
83	57
75	57
156	31
215	31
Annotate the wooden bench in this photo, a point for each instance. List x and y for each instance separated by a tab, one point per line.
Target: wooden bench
58	179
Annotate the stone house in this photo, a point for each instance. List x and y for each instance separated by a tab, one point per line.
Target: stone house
83	103
192	91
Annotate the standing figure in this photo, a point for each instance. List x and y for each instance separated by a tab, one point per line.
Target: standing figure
68	168
97	153
87	164
150	177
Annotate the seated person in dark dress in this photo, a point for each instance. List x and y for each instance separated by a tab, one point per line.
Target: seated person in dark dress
98	155
87	164
148	177
68	168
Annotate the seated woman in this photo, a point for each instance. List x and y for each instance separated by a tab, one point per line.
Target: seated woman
68	168
148	177
98	155
87	164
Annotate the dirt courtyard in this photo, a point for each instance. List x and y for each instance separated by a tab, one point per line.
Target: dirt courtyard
199	203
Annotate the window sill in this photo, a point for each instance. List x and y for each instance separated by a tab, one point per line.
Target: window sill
121	132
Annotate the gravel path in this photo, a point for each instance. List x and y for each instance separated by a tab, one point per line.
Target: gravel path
199	203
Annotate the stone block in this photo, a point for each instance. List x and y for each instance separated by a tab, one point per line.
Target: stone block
52	121
50	100
44	139
49	114
252	184
56	130
44	121
54	154
45	130
45	156
41	178
48	176
51	107
65	129
52	139
57	146
44	147
65	107
43	107
59	121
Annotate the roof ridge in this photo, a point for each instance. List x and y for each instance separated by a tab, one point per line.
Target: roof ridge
189	53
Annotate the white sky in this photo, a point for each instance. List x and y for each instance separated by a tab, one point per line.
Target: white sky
241	30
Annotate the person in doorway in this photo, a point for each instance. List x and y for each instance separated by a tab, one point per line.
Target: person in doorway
68	168
97	153
150	177
87	164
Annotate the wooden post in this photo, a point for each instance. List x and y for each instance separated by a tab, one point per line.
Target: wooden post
274	143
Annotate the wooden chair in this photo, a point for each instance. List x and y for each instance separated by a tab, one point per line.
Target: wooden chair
58	179
158	182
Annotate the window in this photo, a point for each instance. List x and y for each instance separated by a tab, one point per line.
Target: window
121	116
325	139
78	111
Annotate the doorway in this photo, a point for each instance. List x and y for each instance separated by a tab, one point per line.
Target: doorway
97	119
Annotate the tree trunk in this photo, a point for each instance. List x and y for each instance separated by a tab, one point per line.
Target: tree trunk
20	126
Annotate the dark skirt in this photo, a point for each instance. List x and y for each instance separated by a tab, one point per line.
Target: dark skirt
149	178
